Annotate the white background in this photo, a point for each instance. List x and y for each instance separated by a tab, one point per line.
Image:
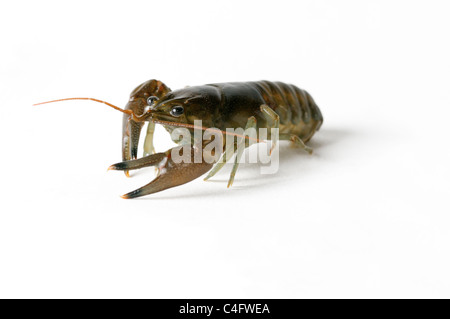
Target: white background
366	216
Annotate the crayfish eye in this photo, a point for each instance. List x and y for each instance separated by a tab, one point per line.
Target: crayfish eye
177	110
151	100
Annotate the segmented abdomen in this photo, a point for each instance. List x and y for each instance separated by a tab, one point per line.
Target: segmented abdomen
298	112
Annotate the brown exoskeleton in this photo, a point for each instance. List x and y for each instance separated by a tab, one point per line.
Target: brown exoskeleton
221	106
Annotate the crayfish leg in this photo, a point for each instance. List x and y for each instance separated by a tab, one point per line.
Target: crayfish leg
148	144
251	123
274	118
238	149
297	141
223	160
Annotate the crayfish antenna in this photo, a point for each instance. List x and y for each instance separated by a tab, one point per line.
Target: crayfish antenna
139	118
129	112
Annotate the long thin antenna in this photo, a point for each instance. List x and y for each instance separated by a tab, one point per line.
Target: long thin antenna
137	118
129	112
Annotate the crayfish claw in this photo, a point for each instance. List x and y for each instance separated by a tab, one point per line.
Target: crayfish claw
151	160
131	129
171	174
130	140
